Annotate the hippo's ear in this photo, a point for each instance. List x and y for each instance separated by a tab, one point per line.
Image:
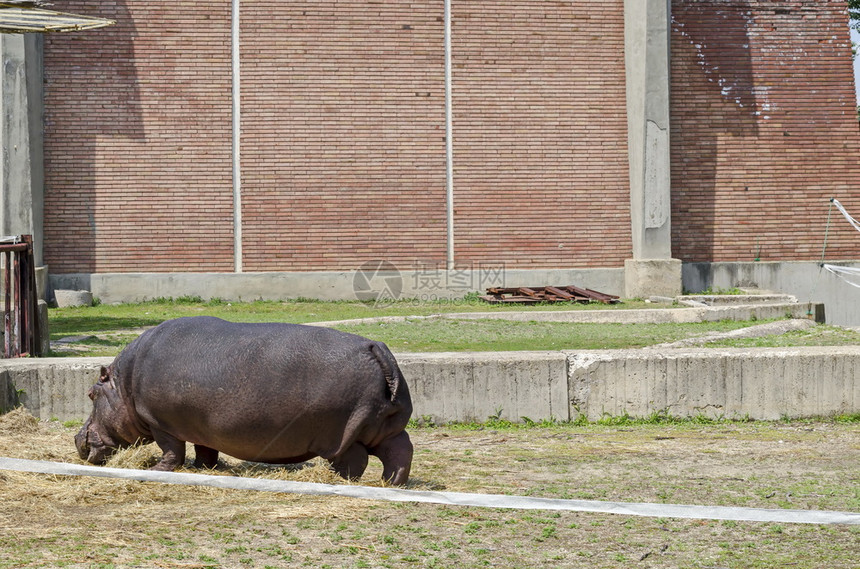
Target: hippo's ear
105	376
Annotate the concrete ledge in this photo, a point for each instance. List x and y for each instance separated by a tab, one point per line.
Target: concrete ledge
474	386
805	280
50	387
761	383
655	315
810	311
424	284
725	299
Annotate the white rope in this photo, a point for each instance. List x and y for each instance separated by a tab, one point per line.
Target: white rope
847	215
446	498
844	273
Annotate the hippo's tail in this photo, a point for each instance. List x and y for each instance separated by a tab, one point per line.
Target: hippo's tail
390	369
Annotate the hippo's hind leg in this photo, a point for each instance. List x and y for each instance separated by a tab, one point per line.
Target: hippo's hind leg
352	463
173	451
205	457
396	456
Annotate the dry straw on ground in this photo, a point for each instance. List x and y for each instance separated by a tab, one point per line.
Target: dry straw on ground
18	422
51	521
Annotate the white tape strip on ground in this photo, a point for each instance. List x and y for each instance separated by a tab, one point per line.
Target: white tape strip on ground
446	498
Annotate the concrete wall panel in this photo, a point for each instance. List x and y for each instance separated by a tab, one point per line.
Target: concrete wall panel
761	384
475	386
733	383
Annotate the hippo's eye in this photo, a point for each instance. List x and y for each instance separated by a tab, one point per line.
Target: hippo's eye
94	439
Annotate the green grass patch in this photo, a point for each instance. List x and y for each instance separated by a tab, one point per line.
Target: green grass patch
821	335
443	335
107	317
657	418
733	291
115	326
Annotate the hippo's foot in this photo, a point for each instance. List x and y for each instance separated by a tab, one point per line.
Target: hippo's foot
396	456
352	463
173	451
205	457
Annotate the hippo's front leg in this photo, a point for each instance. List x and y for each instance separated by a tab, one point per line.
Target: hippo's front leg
173	451
396	456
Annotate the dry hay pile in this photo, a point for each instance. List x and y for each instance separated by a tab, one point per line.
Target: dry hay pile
18	421
24	436
77	521
116	514
316	470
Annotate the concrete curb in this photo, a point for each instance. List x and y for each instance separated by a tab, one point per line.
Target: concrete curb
628	316
49	387
761	383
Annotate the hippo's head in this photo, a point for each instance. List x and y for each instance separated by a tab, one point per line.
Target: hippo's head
107	428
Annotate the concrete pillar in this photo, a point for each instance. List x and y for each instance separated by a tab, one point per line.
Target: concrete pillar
21	158
652	271
16	214
21	165
33	62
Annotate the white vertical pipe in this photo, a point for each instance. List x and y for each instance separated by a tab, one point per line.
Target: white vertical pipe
449	139
237	132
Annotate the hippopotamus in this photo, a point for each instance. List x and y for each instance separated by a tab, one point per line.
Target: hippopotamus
266	392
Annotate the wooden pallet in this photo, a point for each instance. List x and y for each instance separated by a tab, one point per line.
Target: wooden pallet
536	294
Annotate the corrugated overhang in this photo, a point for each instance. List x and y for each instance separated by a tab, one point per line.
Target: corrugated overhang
28	17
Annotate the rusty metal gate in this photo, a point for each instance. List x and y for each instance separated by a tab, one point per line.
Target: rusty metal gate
20	314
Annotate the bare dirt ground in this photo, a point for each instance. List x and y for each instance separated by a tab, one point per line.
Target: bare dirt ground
51	521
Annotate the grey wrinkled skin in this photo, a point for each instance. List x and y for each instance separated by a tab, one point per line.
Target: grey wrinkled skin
274	393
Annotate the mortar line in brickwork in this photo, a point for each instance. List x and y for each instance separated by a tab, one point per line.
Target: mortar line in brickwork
449	139
237	138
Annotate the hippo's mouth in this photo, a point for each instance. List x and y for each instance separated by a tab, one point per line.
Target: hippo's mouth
90	445
81	442
82	446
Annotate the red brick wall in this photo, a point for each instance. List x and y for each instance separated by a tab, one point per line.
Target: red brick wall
540	133
343	134
764	130
137	141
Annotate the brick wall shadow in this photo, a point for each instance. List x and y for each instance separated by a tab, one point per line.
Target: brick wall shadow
91	98
714	98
